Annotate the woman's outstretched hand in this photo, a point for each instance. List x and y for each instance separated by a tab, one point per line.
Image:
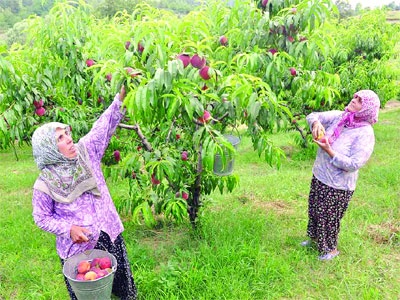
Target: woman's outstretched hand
122	93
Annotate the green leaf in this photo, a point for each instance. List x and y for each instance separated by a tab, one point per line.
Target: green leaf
173	106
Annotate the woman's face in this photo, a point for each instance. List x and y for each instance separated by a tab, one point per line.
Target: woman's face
355	104
65	143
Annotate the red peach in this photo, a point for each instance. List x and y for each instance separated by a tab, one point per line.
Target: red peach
117	155
140	47
204	73
95	263
38	104
40	111
323	140
154	180
102	273
91	275
80	276
105	262
184	155
223	40
130	71
197	61
272	51
185	58
205	118
83	266
89	62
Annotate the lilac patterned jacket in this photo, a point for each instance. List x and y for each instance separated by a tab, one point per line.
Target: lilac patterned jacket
94	213
353	148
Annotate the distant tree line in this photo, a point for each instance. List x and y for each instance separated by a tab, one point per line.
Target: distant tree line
14	11
345	9
108	8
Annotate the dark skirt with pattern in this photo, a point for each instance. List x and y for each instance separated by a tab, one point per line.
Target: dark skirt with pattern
326	207
123	285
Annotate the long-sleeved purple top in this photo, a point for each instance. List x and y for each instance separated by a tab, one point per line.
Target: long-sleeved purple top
353	148
94	213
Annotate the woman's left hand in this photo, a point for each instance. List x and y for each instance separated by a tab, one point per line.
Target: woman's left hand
324	145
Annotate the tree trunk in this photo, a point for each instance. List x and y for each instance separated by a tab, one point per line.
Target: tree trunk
196	192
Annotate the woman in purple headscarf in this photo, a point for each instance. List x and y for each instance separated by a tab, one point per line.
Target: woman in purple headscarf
346	141
70	196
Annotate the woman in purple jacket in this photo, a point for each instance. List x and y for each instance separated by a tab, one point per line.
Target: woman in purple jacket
346	141
71	198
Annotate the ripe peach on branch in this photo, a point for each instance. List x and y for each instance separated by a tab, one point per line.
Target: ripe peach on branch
185	58
223	40
197	61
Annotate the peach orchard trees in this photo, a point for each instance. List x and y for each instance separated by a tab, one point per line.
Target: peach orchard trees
177	108
190	80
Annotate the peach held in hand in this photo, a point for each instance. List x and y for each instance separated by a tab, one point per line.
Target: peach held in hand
323	140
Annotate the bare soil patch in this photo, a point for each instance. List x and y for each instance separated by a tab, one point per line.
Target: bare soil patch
279	207
385	233
390	105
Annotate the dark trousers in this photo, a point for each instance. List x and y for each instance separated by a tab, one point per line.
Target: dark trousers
326	208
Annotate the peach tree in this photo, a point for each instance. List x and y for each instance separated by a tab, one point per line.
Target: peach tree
191	80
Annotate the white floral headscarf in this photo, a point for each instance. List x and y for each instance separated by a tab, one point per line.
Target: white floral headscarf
62	178
369	107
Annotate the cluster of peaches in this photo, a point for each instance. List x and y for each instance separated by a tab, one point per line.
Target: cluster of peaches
91	270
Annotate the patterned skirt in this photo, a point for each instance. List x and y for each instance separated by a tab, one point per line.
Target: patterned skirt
123	285
326	207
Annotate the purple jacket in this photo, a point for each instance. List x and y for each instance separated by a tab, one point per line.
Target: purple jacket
94	213
353	149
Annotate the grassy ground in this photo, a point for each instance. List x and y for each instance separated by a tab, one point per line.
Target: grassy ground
247	246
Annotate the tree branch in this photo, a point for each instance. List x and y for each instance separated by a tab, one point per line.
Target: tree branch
170	131
139	132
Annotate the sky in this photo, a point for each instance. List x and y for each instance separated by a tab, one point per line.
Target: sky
372	3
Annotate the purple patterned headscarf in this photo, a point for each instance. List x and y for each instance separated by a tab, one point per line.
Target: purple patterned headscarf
368	115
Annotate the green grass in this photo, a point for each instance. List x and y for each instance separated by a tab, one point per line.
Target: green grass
247	244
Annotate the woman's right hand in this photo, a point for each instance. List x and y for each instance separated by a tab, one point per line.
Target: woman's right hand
79	234
318	130
122	93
